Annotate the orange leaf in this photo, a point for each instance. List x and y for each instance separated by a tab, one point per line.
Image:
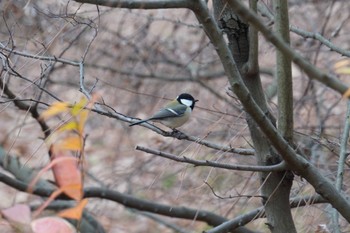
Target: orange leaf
70	143
74	191
76	212
55	109
52	197
67	174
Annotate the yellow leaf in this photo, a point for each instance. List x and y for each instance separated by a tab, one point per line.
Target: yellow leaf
82	120
72	125
343	70
85	113
55	109
78	107
70	143
342	63
347	93
75	212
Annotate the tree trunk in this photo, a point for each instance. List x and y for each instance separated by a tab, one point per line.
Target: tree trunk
276	185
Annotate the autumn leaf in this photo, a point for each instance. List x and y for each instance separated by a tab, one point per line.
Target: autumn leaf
54	109
78	107
52	197
67	174
343	70
75	212
85	113
347	93
342	67
82	120
341	63
71	125
73	143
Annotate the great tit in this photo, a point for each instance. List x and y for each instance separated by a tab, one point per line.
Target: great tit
175	113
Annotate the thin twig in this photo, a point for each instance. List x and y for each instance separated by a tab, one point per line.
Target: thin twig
44	58
230	196
341	162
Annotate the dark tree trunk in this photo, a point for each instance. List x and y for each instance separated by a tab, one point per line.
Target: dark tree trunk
276	185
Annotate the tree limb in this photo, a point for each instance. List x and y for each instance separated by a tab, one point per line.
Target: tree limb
183	159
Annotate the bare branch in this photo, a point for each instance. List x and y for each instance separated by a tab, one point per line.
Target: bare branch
322	39
44	58
203	76
22	106
183	159
260	213
306	34
341	162
309	69
140	4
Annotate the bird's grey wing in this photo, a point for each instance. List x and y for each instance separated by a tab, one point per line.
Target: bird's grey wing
167	112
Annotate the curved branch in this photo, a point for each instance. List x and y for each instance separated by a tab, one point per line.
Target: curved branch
260	213
278	167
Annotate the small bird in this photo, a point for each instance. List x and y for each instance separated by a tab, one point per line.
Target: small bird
175	113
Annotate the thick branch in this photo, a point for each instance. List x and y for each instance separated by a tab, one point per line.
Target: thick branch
284	73
126	200
260	213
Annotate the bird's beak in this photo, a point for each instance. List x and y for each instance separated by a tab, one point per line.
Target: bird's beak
196	100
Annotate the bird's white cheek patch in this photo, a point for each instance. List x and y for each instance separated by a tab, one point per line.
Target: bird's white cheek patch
187	102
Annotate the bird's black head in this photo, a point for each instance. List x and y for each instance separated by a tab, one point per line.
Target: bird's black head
187	99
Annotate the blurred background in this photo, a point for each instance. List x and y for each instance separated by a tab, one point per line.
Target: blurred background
136	60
